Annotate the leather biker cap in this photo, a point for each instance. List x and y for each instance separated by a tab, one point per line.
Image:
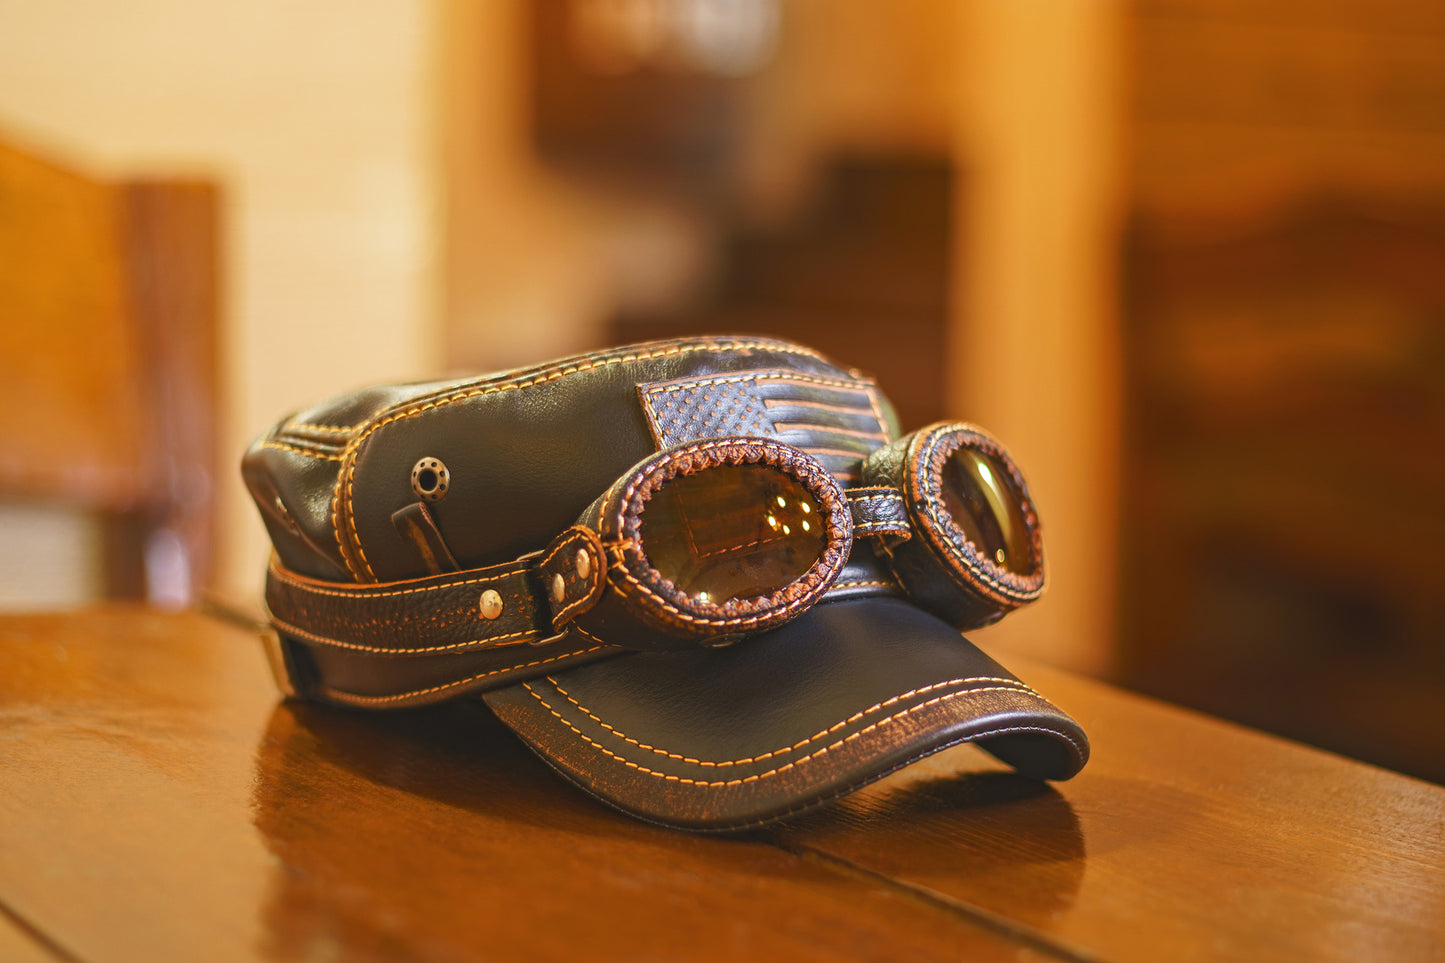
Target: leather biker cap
704	579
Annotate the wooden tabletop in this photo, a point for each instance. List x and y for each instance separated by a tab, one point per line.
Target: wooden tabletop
158	803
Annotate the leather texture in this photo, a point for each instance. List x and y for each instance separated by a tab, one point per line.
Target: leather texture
932	558
382	602
776	725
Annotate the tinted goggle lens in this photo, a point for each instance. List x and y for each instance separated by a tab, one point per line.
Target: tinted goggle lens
732	532
723	538
987	504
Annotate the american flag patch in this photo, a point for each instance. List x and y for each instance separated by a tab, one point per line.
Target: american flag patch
838	421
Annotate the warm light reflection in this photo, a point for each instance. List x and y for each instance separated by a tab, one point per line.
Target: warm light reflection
722	37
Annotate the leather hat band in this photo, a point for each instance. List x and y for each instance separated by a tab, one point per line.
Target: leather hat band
529	601
950	484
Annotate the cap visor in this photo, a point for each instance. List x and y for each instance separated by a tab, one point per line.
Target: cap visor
717	739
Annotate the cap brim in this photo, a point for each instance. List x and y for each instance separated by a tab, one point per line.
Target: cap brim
718	739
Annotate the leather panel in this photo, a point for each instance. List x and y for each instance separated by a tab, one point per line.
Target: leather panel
786	719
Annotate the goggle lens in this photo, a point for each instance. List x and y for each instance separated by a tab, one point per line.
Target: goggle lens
732	532
980	493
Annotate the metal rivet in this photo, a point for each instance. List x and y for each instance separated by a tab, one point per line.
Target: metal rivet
491	604
584	563
430	479
559	588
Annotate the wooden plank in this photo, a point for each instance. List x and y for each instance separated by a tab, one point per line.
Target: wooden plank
1184	838
157	803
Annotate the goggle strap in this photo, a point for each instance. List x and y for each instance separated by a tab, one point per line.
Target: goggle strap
523	602
879	510
571	575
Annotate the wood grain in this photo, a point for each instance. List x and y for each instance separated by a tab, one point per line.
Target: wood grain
157	803
1183	839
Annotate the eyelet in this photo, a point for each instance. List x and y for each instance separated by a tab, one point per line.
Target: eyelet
430	480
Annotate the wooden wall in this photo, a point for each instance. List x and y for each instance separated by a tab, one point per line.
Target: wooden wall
1284	341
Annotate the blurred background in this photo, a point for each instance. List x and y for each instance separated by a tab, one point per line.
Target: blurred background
1186	258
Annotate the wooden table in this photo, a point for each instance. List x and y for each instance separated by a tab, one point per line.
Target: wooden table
158	803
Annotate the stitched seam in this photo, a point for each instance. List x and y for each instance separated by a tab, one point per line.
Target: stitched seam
380	650
797	762
1013	686
282	446
822	405
342	694
864	583
349	456
866	779
854	387
668	606
311	442
366	592
985	583
622	569
329	429
599	572
570	607
829	430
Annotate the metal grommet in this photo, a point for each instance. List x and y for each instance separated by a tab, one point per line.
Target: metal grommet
584	563
430	479
559	589
490	604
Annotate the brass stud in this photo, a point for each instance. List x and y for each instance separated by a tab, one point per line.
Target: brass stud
584	563
491	604
559	589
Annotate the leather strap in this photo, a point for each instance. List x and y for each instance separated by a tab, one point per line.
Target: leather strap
425	616
515	603
879	511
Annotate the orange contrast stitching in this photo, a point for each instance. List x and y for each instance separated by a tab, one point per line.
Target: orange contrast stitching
329	429
986	584
829	430
856	387
771	772
864	583
282	446
367	592
342	695
379	650
821	405
349	456
1013	686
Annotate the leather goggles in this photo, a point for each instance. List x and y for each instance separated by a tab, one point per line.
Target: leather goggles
708	542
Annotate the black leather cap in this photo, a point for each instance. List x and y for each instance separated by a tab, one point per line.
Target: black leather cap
398	514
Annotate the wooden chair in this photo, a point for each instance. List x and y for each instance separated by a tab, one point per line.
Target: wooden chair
108	306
